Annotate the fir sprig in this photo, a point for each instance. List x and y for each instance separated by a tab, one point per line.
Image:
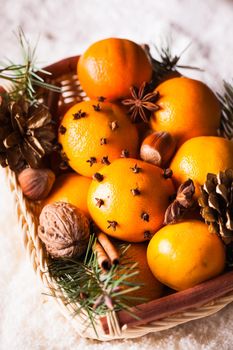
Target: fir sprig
226	101
166	62
88	288
25	76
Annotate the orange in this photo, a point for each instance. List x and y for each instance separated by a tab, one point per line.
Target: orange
185	254
187	108
111	66
150	288
99	136
71	188
130	202
199	156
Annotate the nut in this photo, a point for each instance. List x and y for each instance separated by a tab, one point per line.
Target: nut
36	183
158	148
64	229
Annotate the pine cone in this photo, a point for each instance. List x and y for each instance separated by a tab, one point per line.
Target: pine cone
216	202
26	134
181	204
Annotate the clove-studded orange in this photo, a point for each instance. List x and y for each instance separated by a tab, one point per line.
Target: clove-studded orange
94	133
129	198
109	67
187	108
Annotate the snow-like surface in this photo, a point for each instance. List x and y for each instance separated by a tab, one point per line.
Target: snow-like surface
67	27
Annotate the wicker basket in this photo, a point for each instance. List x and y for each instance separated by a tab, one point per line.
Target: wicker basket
166	312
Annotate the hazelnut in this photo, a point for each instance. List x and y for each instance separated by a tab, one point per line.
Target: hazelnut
64	230
158	148
36	183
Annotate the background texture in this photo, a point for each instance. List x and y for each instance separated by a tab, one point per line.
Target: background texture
67	27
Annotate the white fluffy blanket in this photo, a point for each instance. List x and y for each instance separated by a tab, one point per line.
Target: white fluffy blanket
66	27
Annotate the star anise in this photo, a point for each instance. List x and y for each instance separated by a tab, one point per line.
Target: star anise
142	103
26	134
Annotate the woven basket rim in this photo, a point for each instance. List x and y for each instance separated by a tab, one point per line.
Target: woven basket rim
112	326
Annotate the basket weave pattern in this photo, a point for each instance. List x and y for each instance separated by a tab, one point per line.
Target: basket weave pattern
27	212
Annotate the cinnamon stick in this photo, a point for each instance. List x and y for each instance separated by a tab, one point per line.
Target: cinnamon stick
174	303
102	258
109	248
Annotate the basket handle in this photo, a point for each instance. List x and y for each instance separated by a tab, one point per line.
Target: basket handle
65	66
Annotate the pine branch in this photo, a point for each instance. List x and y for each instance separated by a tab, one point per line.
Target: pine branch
226	101
87	287
25	76
166	62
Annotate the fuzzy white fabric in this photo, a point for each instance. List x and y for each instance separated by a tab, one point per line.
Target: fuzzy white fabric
67	27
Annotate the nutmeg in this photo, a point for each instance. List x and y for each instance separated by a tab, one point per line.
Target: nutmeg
158	148
36	183
64	229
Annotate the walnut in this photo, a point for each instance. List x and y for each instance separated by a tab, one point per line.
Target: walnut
64	230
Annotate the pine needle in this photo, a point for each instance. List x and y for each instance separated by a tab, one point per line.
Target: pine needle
226	101
88	288
166	62
25	76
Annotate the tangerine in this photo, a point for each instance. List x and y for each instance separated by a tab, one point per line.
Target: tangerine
109	67
71	188
187	108
151	288
199	156
185	254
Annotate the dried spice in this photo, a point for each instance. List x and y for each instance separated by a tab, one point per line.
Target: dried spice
91	161
97	107
105	160
181	204
103	262
101	98
142	103
27	134
99	202
147	235
136	169
62	130
80	114
145	217
124	153
113	125
107	254
216	202
135	191
94	290
103	141
109	248
112	224
97	176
